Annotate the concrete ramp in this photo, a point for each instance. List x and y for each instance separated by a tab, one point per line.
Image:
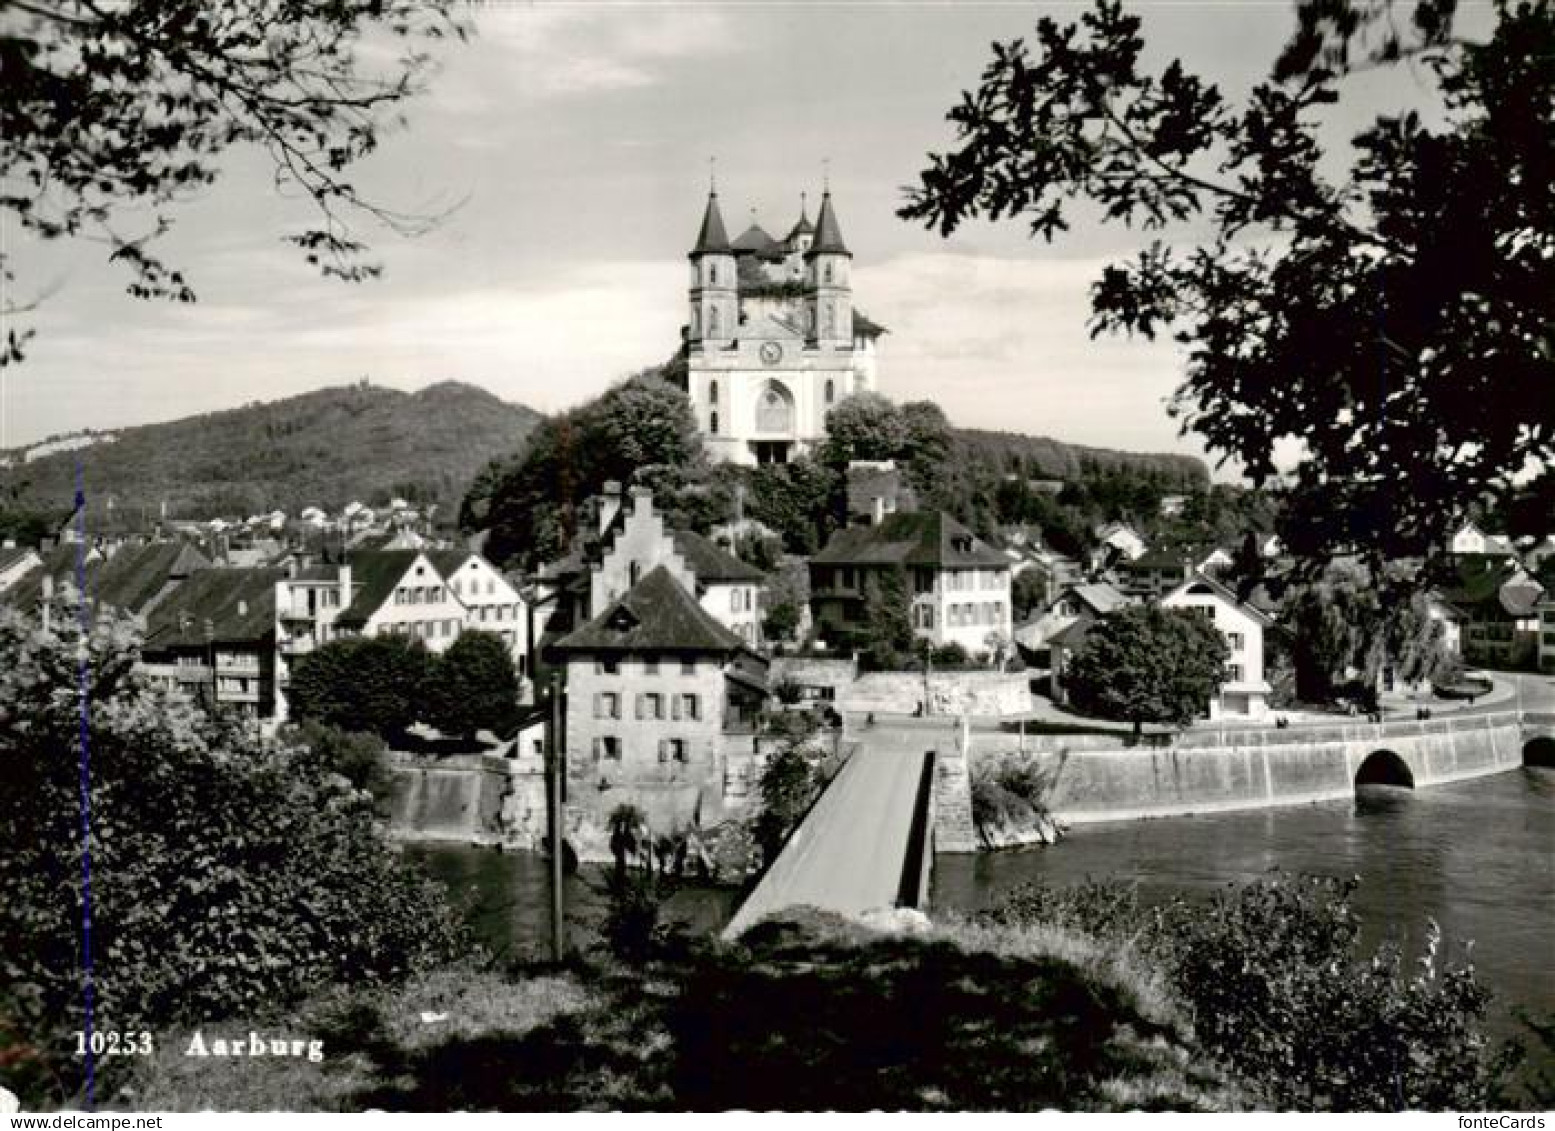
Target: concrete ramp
865	845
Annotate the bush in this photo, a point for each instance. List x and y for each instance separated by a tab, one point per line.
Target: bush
364	683
228	877
473	686
789	785
359	757
1274	979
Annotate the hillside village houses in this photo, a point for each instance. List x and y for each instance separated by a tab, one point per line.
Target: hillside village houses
958	586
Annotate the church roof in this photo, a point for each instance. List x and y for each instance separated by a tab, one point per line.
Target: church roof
754	238
828	233
712	238
803	227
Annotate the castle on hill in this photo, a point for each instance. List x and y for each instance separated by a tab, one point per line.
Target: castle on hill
774	339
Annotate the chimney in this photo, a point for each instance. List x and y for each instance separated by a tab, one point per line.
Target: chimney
242	608
609	505
879	507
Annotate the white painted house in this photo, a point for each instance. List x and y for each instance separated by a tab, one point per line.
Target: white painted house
1245	692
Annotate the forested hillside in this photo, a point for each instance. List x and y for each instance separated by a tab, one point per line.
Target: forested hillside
323	448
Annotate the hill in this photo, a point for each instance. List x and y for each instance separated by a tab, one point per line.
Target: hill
1038	457
322	448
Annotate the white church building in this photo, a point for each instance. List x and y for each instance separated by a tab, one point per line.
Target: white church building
774	339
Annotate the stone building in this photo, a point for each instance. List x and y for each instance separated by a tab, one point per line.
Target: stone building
958	587
774	339
662	707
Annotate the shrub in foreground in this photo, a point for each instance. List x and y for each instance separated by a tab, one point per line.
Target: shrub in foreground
227	876
1278	988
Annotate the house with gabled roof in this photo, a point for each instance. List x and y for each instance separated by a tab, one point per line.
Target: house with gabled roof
629	541
401	593
214	636
1245	692
958	586
659	696
492	602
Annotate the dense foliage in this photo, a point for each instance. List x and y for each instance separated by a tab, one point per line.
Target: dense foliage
227	877
325	448
378	684
1347	624
531	503
114	113
1279	989
381	685
1386	319
1148	664
473	686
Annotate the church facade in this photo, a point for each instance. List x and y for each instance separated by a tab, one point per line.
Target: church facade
774	340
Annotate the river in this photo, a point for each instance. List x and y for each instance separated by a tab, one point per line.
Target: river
1478	857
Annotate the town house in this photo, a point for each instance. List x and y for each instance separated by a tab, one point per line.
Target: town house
958	586
1245	692
659	697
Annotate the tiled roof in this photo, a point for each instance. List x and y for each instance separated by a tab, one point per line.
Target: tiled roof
9	556
753	238
867	326
655	615
712	238
1222	592
925	538
135	576
238	603
828	233
446	562
711	564
374	574
1101	597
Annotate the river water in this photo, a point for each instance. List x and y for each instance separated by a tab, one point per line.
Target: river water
1477	857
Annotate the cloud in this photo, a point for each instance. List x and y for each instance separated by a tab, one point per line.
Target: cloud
1002	343
562	50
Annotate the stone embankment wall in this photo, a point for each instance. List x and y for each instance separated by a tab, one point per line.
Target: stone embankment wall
492	799
1253	769
944	693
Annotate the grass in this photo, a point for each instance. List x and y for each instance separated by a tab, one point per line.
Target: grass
809	1012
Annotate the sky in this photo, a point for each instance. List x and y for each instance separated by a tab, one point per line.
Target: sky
570	144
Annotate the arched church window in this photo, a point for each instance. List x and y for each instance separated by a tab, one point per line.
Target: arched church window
831	391
775	409
712	274
712	321
712	391
828	273
831	318
712	423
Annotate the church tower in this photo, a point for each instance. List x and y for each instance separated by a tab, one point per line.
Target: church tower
827	259
715	297
774	341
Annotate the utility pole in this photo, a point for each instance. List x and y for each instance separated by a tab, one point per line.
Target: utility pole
555	776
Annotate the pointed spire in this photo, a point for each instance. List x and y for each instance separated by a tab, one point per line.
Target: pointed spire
828	233
712	239
803	227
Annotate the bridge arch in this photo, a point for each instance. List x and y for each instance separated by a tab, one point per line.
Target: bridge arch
1540	751
1384	767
